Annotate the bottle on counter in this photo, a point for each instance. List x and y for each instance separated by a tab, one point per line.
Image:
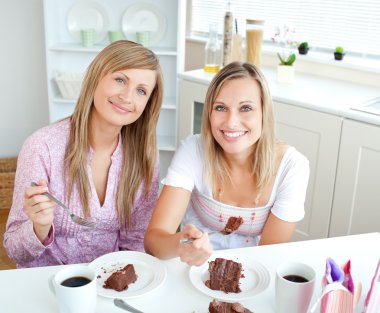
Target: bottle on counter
213	52
237	46
227	35
254	40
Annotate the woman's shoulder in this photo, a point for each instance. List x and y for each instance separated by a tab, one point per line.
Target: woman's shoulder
53	134
290	156
192	141
191	145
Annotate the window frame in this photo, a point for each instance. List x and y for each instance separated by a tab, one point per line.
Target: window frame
323	56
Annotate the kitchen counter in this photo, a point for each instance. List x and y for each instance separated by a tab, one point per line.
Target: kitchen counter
313	92
182	291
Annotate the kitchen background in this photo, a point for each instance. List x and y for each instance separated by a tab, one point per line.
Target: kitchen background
23	70
24	82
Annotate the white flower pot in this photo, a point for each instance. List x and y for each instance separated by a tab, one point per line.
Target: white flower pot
285	74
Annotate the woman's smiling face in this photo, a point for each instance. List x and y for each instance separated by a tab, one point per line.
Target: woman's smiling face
121	97
236	116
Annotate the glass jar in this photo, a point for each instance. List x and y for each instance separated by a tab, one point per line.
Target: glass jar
254	40
213	52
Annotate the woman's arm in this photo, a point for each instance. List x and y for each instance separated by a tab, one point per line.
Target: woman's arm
162	239
23	241
277	231
288	208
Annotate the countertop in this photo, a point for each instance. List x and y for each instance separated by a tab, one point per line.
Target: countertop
313	92
182	291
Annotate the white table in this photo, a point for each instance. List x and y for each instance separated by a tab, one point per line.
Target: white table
26	290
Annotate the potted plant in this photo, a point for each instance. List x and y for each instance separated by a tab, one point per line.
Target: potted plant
303	47
339	53
289	60
285	70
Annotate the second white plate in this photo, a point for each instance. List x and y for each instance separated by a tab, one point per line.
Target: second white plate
143	17
256	279
151	273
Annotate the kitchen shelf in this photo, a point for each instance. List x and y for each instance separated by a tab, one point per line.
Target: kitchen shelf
166	143
74	47
65	54
167	103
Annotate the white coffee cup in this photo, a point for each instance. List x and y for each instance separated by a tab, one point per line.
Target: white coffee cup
80	299
292	296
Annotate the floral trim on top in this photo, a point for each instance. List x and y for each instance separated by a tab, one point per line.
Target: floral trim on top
214	215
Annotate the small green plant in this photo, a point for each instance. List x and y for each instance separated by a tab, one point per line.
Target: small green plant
303	47
339	53
287	61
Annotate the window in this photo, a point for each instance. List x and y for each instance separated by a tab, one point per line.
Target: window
324	24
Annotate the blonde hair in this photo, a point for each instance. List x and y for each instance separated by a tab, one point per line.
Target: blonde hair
138	139
263	158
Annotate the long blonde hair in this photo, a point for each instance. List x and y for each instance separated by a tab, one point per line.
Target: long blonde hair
263	158
138	139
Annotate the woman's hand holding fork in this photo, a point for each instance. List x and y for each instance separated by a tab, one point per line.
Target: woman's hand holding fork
39	209
200	248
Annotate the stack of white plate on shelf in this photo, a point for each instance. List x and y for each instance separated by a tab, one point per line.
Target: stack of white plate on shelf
144	17
138	17
86	15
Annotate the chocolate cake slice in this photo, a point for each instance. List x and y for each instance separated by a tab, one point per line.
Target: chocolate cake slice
233	224
121	279
224	307
224	275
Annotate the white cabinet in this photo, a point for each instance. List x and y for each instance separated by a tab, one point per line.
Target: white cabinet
191	99
356	207
317	136
65	53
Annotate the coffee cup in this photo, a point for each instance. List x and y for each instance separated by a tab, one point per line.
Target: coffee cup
75	289
143	38
295	283
88	37
115	35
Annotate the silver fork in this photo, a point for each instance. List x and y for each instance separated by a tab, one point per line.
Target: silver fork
123	305
75	218
189	240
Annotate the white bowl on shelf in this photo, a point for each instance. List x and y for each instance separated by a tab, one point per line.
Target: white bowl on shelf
69	84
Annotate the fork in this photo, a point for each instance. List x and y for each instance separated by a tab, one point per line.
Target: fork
75	218
123	305
189	240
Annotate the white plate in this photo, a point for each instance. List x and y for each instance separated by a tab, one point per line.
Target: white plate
87	14
256	279
151	273
143	17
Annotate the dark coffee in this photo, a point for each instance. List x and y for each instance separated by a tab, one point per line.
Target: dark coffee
76	281
296	278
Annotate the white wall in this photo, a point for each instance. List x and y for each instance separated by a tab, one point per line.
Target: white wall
23	94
